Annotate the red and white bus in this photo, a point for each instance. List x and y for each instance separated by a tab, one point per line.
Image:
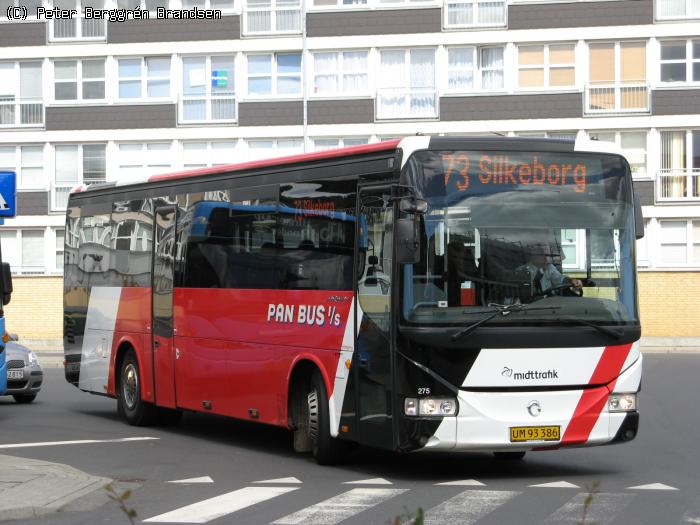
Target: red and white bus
435	293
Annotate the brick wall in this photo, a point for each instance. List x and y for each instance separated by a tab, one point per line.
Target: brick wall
36	308
669	303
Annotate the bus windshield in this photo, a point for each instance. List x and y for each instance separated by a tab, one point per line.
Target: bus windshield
510	228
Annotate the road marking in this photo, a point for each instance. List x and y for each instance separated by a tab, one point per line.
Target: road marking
603	509
372	481
462	483
279	480
467	507
77	442
653	486
556	485
339	508
203	479
692	515
212	508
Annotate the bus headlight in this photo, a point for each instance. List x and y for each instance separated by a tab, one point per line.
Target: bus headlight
622	402
430	406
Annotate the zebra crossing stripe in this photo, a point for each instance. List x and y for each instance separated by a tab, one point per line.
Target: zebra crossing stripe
467	507
603	509
212	508
339	508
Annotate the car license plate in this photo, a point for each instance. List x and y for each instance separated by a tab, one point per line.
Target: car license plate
15	374
534	434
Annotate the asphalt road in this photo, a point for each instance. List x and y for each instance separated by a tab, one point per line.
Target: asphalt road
251	463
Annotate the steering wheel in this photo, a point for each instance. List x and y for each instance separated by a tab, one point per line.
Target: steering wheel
578	292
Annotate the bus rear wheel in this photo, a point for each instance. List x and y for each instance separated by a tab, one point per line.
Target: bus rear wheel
326	449
129	403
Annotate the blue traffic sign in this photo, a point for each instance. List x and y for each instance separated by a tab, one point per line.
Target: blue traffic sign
8	187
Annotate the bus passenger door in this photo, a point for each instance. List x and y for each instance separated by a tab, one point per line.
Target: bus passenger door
162	291
373	345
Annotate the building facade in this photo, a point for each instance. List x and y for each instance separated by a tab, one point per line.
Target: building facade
92	99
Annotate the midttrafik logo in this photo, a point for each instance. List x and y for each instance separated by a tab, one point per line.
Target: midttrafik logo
530	374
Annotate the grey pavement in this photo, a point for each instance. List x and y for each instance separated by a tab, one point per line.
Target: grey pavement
30	488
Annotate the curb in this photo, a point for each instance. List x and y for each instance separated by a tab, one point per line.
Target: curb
37	488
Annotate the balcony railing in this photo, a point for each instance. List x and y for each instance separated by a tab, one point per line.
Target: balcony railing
628	97
461	14
208	108
402	103
78	29
278	20
676	185
61	190
22	112
677	9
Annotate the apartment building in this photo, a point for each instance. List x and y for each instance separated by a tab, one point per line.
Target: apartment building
85	100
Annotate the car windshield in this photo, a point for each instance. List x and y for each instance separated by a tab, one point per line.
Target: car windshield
519	227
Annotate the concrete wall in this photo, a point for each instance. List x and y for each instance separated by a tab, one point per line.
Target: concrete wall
36	308
669	303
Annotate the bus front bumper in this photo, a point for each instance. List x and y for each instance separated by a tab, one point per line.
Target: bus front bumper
498	421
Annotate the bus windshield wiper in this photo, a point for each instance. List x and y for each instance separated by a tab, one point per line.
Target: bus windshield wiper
611	332
499	309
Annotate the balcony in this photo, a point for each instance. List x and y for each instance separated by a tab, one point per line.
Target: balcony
460	14
617	98
78	29
61	190
212	109
677	9
406	104
27	112
678	185
285	18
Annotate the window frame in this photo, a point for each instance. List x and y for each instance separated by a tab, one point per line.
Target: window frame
546	67
689	61
478	71
340	73
274	76
143	78
80	81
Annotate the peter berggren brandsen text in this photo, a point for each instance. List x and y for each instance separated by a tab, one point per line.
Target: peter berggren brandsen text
120	15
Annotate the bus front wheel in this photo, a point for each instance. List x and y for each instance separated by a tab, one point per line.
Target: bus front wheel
326	449
129	403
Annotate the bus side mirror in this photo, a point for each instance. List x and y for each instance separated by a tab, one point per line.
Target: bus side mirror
6	283
413	205
638	218
407	243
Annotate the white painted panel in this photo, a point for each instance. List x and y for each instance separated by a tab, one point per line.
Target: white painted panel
603	509
467	507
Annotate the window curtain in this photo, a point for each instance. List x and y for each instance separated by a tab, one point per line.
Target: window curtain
460	68
422	78
67	166
673	163
392	84
492	67
355	72
325	73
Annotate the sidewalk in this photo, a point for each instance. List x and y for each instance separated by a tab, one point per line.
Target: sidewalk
31	488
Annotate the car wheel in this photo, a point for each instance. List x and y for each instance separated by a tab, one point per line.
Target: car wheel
136	411
326	449
24	398
509	456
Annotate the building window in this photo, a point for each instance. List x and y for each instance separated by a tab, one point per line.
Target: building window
546	66
338	3
680	61
670	9
208	90
205	154
24	250
476	13
79	80
27	162
31	6
475	68
60	244
144	77
274	74
643	247
78	28
76	164
266	148
407	85
341	73
326	143
224	5
272	16
633	145
679	176
21	102
676	245
137	161
617	78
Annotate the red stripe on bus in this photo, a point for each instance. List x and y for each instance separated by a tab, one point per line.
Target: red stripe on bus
290	159
593	401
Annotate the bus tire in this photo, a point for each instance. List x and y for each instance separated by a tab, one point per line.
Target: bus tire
509	456
135	410
24	398
326	449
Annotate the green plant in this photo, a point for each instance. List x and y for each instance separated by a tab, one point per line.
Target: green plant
592	491
120	500
408	519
